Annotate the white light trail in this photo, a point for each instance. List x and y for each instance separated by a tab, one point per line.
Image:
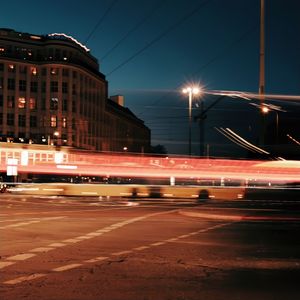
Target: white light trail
230	134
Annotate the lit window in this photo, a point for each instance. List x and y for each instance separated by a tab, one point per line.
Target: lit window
11	67
54	103
21	102
33	71
32	103
53	122
53	71
10	101
64	122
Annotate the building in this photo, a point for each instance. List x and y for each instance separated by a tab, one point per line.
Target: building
52	92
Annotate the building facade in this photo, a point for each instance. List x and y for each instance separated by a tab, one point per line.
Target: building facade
52	92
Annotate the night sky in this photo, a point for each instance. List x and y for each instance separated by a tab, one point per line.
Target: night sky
150	49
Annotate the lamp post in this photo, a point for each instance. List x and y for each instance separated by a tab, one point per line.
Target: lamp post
265	110
190	91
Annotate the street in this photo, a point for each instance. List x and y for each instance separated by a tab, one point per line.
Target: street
115	248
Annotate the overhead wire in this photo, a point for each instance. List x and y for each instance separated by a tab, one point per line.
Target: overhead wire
101	19
160	36
156	7
212	60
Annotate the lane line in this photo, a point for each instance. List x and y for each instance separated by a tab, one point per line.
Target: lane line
31	222
57	245
158	243
20	257
96	259
71	241
141	248
75	265
4	264
41	249
25	278
66	267
121	252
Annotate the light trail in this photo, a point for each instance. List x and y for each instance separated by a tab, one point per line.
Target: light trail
251	95
80	163
230	134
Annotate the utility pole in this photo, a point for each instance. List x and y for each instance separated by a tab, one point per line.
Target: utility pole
262	72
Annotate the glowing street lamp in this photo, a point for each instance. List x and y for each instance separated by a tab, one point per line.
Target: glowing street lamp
265	110
190	91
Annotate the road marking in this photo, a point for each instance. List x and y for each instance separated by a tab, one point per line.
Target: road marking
24	278
141	248
21	256
183	236
57	245
104	230
31	222
100	258
4	264
84	237
67	267
71	241
172	239
158	243
95	234
75	265
42	249
122	252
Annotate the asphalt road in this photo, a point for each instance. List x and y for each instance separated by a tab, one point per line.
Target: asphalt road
90	248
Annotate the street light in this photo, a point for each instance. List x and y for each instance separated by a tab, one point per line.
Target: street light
190	91
266	110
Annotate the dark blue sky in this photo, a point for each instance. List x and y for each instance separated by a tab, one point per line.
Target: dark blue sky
167	43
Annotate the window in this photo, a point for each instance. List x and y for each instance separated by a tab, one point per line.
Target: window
53	121
32	103
10	84
44	71
1	100
65	87
22	85
10	101
22	121
21	102
64	122
23	69
54	103
1	67
11	68
10	119
33	86
1	83
74	74
65	105
1	118
65	72
74	89
54	71
33	71
54	86
33	121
